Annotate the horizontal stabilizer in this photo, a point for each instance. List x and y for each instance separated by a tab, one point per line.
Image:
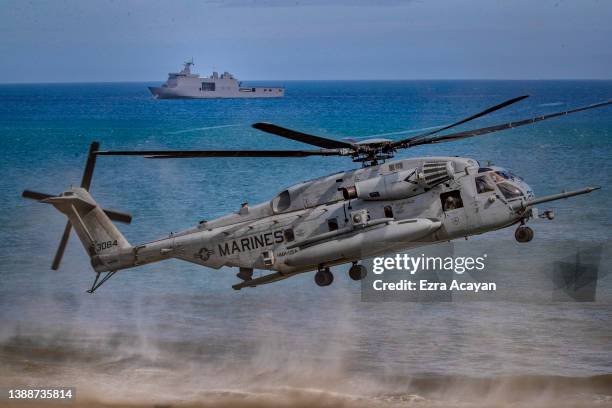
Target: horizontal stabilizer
114	215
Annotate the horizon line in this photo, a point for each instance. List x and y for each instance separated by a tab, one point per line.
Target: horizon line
315	80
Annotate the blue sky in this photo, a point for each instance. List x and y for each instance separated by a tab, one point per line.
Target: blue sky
142	40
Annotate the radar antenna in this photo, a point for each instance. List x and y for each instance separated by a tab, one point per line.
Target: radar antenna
187	67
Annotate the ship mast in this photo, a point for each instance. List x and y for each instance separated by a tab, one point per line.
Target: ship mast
187	67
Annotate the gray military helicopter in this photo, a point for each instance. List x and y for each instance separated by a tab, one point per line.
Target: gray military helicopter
342	218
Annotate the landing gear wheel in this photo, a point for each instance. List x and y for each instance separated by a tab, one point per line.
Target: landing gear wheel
523	234
324	277
358	272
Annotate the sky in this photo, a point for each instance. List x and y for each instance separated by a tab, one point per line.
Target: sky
143	40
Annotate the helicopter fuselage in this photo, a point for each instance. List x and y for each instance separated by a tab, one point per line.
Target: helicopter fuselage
345	217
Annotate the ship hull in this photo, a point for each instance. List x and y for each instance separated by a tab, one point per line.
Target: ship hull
187	93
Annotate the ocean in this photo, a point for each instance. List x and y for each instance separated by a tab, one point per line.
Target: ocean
173	332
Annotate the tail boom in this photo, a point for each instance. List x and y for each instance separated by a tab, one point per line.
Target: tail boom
106	246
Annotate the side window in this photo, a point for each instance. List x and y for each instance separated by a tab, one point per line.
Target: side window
483	185
451	200
388	211
332	224
289	235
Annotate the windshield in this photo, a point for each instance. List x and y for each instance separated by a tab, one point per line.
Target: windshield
509	191
500	175
483	184
507	175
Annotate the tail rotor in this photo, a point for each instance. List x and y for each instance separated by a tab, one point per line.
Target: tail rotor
85	183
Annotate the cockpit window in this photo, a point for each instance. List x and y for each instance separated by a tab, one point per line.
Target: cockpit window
509	191
507	175
500	175
484	184
504	174
498	178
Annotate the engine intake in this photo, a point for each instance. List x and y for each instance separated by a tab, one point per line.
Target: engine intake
401	184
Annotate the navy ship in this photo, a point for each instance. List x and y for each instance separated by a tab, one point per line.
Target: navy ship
187	85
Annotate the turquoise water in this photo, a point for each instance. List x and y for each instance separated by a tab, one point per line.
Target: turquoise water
159	318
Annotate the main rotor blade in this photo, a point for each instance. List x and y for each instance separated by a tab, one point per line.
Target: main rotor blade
497	128
178	154
62	247
90	165
477	115
302	137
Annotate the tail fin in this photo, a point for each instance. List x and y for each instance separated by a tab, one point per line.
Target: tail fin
94	228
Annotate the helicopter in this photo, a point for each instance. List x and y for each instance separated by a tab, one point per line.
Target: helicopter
342	218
